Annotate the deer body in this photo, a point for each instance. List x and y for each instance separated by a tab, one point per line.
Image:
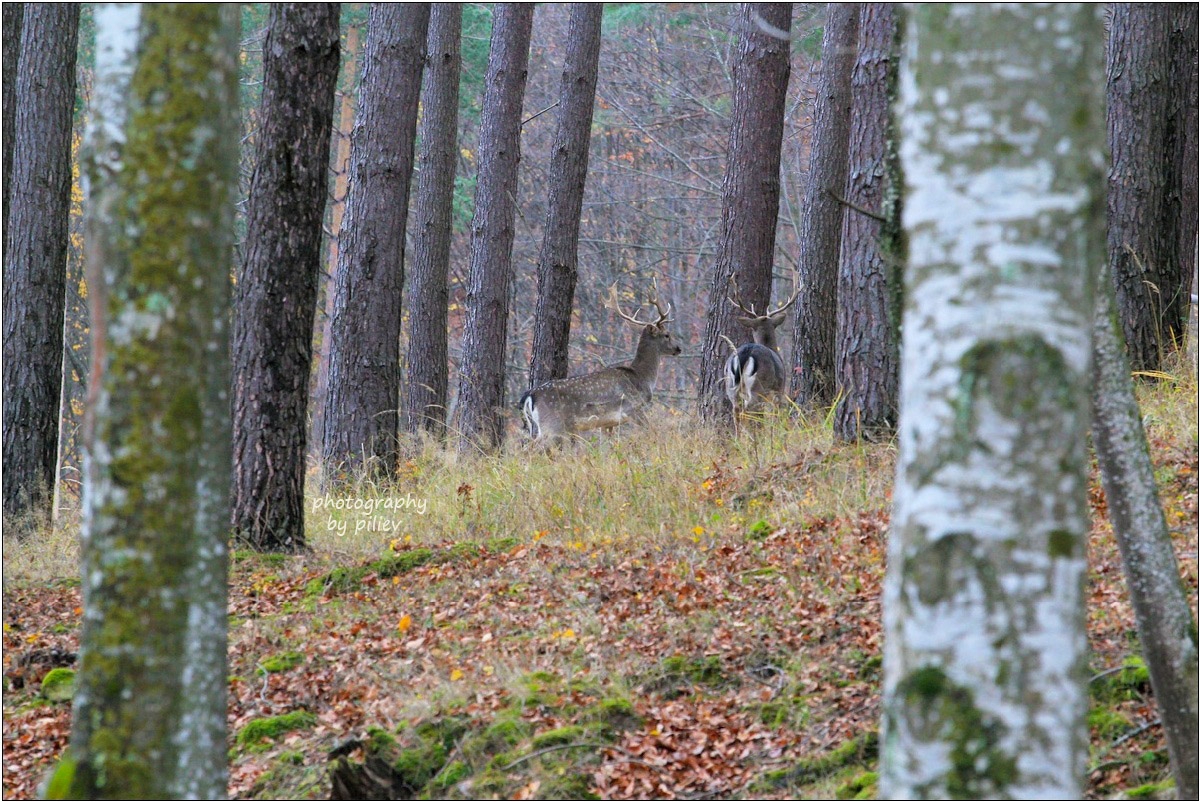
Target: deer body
754	373
604	399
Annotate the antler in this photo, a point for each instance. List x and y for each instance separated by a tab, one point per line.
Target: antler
615	305
735	298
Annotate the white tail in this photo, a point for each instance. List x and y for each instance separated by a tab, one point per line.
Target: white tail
754	373
607	398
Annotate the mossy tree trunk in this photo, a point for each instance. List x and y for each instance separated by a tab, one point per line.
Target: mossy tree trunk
477	417
868	300
150	709
37	209
363	398
277	280
558	263
985	661
749	194
1166	625
821	225
428	296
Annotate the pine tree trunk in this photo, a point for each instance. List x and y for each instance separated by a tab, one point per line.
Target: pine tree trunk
749	194
868	303
1166	626
277	282
985	656
478	419
1183	210
341	190
428	379
13	16
149	712
1142	243
362	405
558	264
821	225
35	260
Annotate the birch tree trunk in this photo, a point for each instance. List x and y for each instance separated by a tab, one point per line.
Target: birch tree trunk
749	193
1002	143
150	708
428	297
1166	625
821	226
558	264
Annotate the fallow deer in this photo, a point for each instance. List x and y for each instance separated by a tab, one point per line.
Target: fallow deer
754	373
606	398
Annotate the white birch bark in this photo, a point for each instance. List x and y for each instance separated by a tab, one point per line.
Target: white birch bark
149	712
1002	143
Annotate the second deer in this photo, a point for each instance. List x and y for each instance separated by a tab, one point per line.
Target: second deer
754	373
606	398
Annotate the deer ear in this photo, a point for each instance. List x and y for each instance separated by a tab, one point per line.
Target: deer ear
778	319
748	322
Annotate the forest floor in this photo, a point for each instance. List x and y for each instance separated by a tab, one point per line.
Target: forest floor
673	617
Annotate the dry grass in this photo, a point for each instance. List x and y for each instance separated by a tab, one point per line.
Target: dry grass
656	486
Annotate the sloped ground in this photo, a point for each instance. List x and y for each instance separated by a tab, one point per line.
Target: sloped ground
673	619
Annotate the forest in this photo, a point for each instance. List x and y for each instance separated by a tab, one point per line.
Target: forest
588	401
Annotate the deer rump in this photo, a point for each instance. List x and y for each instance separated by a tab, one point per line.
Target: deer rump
752	373
582	403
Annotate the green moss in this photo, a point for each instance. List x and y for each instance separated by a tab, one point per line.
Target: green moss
450	775
562	735
759	530
1131	682
254	732
1106	723
678	670
346	578
612	715
942	712
500	545
863	786
861	750
1158	790
567	785
280	662
59	685
258	559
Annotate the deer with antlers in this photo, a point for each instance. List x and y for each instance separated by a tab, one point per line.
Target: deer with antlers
606	398
754	373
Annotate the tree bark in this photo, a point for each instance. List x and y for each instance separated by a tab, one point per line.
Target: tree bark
341	189
13	15
362	405
478	419
428	378
1142	241
558	263
277	282
149	712
868	296
985	656
1166	626
1183	205
821	225
749	193
35	260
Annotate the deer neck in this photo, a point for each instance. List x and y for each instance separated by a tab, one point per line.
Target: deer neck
765	335
645	362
